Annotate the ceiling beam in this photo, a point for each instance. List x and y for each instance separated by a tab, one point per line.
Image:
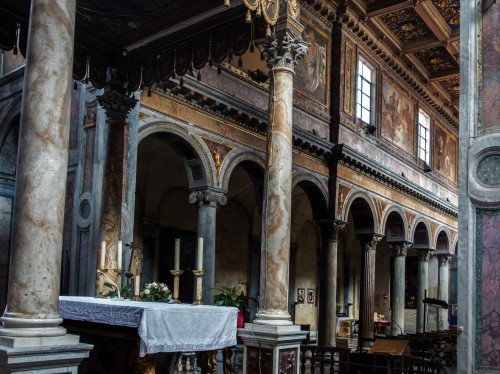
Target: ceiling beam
444	75
379	8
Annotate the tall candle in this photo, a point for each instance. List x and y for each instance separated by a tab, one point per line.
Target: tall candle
137	285
177	254
120	253
103	255
200	253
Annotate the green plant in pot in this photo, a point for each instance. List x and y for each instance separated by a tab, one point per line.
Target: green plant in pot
232	296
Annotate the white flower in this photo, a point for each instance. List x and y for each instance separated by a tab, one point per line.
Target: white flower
153	284
146	292
165	289
148	285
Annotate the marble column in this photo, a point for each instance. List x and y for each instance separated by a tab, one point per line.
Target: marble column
282	52
367	288
423	285
327	326
443	286
35	264
399	250
207	201
117	106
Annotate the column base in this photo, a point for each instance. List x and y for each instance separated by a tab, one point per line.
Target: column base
274	319
42	355
271	349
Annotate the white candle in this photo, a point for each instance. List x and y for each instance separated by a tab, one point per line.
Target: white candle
103	255
120	253
137	285
177	254
200	253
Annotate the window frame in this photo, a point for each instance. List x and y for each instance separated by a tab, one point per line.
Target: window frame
361	79
427	139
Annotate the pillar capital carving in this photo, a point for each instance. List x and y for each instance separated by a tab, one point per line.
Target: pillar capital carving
116	104
444	259
207	197
331	228
399	248
369	241
424	255
283	50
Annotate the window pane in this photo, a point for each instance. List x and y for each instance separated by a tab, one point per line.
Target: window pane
365	115
367	74
366	88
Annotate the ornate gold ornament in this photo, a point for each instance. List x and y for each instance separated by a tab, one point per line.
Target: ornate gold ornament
268	8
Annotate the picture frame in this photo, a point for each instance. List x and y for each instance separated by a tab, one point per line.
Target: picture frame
310	295
301	295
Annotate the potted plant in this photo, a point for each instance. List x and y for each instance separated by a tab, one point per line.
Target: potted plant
232	296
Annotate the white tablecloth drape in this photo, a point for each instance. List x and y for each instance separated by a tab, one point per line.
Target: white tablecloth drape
162	327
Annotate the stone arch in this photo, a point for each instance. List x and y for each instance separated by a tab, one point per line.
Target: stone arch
234	161
418	243
313	180
442	239
392	211
357	196
316	193
9	119
177	128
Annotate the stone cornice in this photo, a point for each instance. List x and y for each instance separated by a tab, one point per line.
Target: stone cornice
349	157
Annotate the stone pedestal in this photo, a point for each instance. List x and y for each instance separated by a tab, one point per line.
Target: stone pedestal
207	201
423	285
327	326
271	349
399	251
443	286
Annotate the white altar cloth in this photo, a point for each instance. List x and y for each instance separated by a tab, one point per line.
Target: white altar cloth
162	327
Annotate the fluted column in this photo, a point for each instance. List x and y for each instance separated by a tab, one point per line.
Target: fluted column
423	285
35	264
207	201
443	286
367	291
327	325
399	251
117	106
282	52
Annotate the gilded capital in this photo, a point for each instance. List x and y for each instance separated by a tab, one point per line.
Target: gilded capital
207	197
283	50
116	104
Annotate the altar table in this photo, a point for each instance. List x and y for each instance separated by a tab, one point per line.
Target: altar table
161	327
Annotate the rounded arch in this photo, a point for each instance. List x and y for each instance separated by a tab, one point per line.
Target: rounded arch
442	239
315	191
394	220
421	234
202	163
234	161
363	204
10	119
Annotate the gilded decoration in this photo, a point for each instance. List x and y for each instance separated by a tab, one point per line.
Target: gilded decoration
311	73
398	117
450	10
379	207
143	115
437	59
343	192
452	86
434	226
219	152
407	25
90	115
444	149
348	78
409	218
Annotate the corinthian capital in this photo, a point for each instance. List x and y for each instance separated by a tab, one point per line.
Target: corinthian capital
424	254
283	50
369	241
116	104
207	197
443	260
399	248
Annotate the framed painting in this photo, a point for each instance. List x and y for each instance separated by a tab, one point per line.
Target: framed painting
397	123
444	152
310	295
301	295
311	75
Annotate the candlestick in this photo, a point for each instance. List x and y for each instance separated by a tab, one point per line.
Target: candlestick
120	253
200	254
103	255
137	285
177	254
176	273
199	282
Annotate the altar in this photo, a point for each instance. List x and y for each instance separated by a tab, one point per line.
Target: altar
160	327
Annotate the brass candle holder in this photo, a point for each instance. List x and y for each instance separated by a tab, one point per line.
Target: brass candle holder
176	274
199	282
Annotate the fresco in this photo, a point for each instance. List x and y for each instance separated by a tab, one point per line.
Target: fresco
397	123
444	149
311	74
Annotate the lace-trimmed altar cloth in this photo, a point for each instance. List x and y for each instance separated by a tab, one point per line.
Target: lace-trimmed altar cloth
162	327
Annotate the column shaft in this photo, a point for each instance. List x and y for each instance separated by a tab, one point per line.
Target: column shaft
367	295
399	251
423	285
41	170
443	285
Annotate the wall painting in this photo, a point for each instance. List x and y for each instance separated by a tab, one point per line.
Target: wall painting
444	152
397	123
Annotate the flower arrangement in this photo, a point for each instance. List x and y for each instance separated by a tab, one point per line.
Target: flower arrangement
156	292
